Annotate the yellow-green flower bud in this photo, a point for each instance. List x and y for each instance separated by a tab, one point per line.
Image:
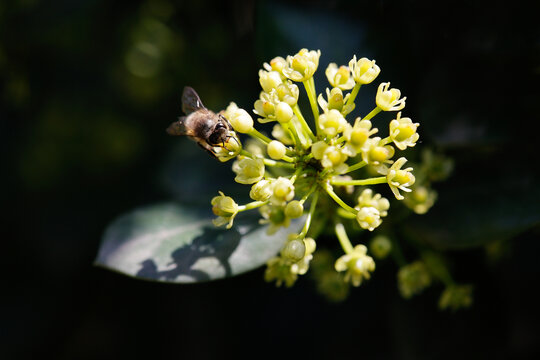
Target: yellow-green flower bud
389	100
294	250
261	191
241	121
399	179
276	150
225	208
284	112
283	191
301	266
380	246
403	132
364	71
278	63
413	279
294	209
357	265
339	77
332	122
368	218
302	66
248	171
269	80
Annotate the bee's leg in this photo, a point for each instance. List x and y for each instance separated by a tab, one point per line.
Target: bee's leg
209	149
228	137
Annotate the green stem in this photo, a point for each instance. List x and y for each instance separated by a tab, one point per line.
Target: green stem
356	166
338	200
344	213
343	238
354	92
309	85
371	181
310	214
372	113
251	205
292	131
275	163
256	134
305	197
303	123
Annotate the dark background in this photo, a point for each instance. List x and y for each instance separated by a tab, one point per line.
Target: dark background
84	103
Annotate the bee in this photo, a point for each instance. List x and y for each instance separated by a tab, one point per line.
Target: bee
205	127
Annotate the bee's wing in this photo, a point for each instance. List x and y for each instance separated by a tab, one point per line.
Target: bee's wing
178	128
191	101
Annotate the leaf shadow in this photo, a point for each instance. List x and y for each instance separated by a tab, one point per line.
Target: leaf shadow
213	245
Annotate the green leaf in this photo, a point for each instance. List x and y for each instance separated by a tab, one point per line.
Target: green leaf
175	243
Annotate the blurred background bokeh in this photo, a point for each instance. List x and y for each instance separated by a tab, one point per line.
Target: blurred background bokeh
87	88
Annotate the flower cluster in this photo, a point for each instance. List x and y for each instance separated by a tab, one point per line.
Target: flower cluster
305	162
321	167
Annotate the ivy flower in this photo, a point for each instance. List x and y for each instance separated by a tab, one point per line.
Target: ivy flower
376	154
288	92
357	135
276	64
339	77
331	157
403	132
261	191
225	208
269	80
332	122
283	191
357	265
367	199
399	179
389	99
248	171
335	101
368	218
265	106
230	149
364	71
302	66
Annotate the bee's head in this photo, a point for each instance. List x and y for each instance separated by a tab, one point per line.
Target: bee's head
219	134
